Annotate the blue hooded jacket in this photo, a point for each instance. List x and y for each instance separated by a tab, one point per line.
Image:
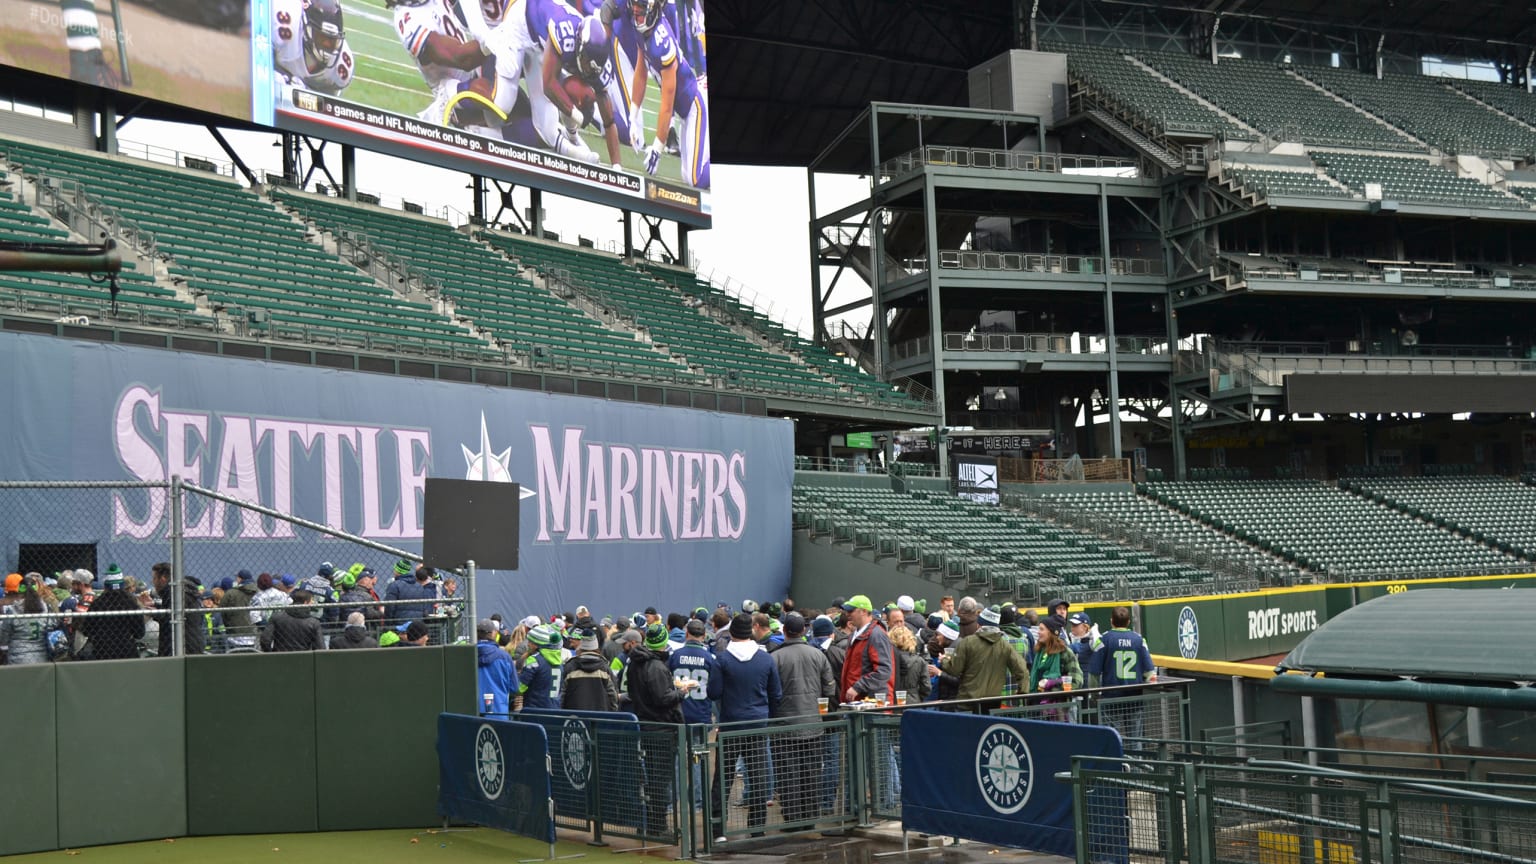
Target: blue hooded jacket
497	678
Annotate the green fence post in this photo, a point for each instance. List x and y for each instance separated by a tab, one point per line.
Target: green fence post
1079	807
1197	819
1387	816
682	804
858	775
595	785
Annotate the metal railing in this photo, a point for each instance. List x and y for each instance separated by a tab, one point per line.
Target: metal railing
1382	277
847	465
175	158
1011	160
1070	470
712	788
1054	343
364	252
1030	262
1282	812
1234	370
72	203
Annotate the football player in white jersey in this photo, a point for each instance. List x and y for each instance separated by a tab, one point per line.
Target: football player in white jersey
446	54
309	45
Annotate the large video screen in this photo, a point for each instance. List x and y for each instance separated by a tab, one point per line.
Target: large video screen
195	53
605	100
609	104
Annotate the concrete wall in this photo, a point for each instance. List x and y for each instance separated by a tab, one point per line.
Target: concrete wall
823	571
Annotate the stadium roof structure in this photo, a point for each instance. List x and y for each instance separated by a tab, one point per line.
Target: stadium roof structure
1431	646
786	78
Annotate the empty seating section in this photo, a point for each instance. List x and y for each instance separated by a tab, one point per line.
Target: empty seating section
1406	178
229	246
1299	184
711	346
1172	534
1425	108
1107	72
1269	99
1328	531
1495	510
489	290
1000	551
1526	192
816	356
74	293
1513	101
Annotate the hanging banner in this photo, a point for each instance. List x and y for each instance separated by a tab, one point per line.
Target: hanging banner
493	773
992	779
630	505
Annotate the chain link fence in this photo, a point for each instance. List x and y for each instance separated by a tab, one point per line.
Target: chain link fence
116	570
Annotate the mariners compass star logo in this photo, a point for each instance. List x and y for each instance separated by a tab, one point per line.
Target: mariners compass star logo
1188	634
576	753
490	465
1003	768
490	762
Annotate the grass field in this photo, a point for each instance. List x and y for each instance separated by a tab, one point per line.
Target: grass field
394	847
386	77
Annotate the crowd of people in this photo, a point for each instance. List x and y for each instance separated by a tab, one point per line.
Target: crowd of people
776	661
43	618
769	660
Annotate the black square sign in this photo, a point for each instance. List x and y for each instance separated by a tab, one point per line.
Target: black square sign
471	520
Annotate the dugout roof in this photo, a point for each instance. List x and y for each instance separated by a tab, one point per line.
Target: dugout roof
785	78
1473	636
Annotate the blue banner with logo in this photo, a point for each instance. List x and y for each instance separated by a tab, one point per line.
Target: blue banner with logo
594	763
625	505
493	773
992	779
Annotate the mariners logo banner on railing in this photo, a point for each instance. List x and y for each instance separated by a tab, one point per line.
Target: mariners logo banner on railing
992	779
494	773
628	504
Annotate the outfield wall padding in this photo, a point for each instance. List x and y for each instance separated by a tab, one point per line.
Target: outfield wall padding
251	744
118	751
122	762
380	714
28	726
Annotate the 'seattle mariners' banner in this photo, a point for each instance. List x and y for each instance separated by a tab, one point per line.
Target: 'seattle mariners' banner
626	505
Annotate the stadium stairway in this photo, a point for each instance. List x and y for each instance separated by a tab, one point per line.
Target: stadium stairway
141	298
1328	531
987	550
1494	511
522	314
247	261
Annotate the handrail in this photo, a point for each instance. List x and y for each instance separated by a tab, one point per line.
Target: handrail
1011	160
1032	262
72	203
1086	344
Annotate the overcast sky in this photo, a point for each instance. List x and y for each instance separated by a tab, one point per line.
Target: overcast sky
760	214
